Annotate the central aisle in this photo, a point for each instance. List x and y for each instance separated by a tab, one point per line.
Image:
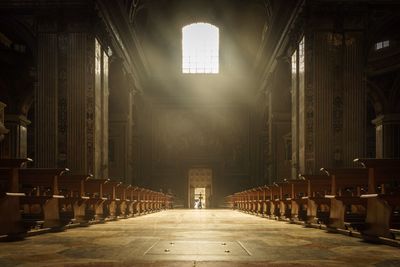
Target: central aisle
196	238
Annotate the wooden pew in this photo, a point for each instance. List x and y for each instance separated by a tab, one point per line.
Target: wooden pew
256	201
169	201
252	201
267	200
230	202
138	210
299	189
40	205
152	201
164	199
156	201
275	201
318	207
160	196
141	200
243	200
146	200
260	200
383	196
134	205
240	201
285	199
110	206
10	216
348	210
236	201
122	193
95	210
247	201
72	206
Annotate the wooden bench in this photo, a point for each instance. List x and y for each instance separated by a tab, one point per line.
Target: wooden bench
152	201
285	199
164	200
246	201
40	205
145	201
159	197
318	207
299	189
156	198
267	200
141	200
242	200
111	205
383	196
10	194
230	202
138	206
72	206
95	211
122	193
348	209
169	201
132	195
260	200
252	199
275	201
236	200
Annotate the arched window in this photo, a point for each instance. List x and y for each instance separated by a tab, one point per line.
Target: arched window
200	48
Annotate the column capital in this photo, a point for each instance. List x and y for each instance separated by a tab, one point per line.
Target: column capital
385	119
17	119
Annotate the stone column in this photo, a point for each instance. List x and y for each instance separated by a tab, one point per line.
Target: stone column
387	136
72	98
46	100
15	142
332	99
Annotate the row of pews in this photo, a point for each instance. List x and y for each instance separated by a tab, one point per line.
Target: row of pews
32	199
363	200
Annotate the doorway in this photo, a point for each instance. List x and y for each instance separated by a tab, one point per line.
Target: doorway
200	198
200	188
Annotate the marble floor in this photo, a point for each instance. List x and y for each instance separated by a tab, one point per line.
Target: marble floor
196	238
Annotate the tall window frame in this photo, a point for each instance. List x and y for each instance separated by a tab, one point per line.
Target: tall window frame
200	48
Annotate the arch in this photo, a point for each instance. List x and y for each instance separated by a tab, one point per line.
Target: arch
377	98
200	48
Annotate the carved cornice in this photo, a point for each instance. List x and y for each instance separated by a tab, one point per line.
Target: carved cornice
275	44
386	119
124	39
